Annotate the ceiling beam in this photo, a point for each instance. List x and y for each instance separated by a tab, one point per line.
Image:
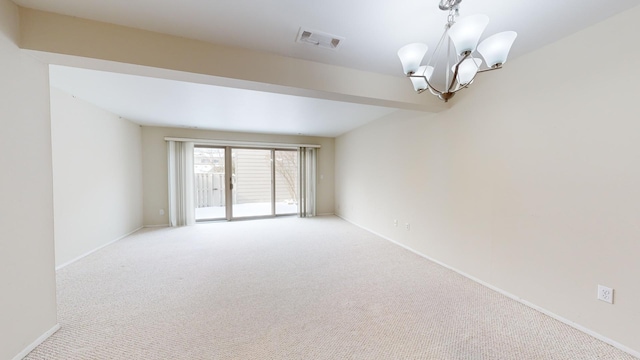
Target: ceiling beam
72	41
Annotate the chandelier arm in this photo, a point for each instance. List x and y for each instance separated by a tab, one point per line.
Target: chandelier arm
474	77
433	88
477	72
470	81
489	69
463	86
429	86
455	72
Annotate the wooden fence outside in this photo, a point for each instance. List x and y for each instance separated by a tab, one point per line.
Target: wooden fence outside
209	190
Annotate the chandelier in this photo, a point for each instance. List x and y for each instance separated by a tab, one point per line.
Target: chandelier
454	63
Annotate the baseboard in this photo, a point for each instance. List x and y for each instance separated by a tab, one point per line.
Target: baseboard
509	295
156	226
96	249
38	341
326	214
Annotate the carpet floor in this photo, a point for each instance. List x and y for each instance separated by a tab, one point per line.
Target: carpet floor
289	288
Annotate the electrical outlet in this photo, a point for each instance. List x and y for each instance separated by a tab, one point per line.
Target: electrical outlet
161	212
395	222
407	226
605	294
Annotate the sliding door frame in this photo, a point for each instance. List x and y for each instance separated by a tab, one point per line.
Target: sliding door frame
229	187
228	174
309	176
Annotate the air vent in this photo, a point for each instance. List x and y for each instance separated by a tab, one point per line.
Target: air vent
319	39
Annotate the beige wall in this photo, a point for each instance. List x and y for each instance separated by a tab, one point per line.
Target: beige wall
27	278
154	165
97	176
530	182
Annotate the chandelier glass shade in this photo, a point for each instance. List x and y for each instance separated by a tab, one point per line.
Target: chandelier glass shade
457	59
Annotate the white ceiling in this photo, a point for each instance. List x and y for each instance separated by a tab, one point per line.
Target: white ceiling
160	102
374	30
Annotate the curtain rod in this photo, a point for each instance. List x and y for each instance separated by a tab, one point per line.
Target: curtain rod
253	144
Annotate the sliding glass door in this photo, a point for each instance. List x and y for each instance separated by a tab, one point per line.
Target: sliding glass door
252	182
286	181
232	183
209	183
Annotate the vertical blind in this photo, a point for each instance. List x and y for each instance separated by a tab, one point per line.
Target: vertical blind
307	178
181	204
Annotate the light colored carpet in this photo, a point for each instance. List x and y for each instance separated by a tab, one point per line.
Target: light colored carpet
316	288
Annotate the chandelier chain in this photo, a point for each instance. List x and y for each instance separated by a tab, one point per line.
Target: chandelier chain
453	14
449	4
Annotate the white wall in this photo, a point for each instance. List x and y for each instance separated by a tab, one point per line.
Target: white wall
530	182
27	278
154	164
97	176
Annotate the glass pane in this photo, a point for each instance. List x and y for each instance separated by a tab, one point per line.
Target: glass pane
286	182
251	182
209	184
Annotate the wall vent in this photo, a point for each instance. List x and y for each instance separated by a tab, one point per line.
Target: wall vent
319	39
